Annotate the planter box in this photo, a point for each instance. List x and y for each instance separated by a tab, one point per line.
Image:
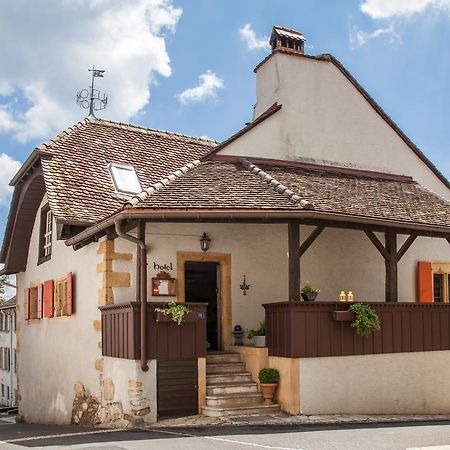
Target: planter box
344	316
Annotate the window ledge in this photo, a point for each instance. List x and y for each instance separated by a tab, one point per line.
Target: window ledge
43	259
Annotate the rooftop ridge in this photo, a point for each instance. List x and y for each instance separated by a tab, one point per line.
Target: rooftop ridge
143	129
276	185
164	181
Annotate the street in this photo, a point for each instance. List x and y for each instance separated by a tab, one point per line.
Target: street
434	436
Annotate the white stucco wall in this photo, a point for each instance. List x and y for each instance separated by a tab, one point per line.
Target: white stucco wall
8	378
56	353
324	119
400	383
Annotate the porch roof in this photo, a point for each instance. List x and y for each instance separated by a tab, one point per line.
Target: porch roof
273	185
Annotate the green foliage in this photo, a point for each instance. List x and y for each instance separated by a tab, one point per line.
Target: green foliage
367	319
308	289
268	376
175	310
260	331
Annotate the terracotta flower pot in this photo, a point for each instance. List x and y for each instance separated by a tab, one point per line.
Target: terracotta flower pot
268	391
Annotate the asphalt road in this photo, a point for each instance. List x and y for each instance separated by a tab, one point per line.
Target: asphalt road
433	436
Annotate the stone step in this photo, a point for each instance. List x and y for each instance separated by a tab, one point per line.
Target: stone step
231	388
216	358
254	410
233	400
225	367
228	377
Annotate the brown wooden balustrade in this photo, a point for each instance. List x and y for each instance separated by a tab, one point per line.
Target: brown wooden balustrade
309	329
165	339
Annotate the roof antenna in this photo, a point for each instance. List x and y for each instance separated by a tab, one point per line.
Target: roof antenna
91	98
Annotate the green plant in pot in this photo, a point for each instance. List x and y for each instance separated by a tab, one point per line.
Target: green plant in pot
309	294
176	311
259	335
366	319
268	381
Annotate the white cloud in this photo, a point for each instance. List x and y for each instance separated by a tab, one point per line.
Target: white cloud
8	168
253	42
359	38
384	9
52	44
208	85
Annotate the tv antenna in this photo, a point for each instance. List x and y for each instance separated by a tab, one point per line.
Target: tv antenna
91	98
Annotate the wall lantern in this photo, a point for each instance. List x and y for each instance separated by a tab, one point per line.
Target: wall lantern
205	241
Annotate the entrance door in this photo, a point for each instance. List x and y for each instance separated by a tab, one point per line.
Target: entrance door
202	285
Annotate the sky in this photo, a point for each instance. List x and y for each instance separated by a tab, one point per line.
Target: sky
187	66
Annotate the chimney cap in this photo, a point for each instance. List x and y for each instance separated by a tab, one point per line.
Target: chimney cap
286	38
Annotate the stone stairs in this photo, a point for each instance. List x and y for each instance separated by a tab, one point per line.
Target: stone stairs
230	390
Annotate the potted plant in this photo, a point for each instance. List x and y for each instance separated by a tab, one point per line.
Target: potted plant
172	311
366	319
268	380
259	335
309	294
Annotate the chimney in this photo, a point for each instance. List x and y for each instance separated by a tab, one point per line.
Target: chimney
284	38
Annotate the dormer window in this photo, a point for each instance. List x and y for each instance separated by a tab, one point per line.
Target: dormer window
45	234
125	179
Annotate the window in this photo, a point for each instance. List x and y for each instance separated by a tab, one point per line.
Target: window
438	288
45	234
125	179
4	358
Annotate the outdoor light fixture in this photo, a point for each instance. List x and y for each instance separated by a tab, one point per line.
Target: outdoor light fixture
205	241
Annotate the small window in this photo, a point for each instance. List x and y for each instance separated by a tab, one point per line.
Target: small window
45	234
125	179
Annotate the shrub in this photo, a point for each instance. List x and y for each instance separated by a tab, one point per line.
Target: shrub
366	320
268	376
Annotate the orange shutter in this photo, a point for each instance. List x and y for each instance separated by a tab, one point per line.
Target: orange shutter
39	301
425	282
26	303
48	298
69	293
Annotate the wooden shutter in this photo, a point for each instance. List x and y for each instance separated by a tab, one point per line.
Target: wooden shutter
40	290
424	282
69	293
26	303
48	298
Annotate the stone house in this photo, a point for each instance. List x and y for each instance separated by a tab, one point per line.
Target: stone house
108	220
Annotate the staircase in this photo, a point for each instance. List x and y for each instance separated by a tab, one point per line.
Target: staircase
230	390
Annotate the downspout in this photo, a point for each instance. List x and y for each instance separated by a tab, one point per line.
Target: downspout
142	258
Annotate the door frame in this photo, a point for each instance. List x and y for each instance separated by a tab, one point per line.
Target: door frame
224	260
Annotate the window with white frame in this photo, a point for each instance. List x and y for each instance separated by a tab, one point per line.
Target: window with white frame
125	179
45	234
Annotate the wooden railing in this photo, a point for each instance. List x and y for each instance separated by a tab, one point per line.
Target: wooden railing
165	339
310	329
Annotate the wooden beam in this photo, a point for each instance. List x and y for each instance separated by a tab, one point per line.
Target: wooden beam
141	237
294	260
391	267
379	246
405	246
310	239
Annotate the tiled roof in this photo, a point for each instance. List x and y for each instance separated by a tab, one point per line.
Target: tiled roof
76	174
11	303
236	185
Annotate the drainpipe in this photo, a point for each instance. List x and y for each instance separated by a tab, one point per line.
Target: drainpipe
142	293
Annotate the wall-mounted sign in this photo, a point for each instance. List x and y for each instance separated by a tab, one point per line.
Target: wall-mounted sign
167	266
164	285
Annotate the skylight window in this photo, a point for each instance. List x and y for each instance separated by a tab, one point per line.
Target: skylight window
125	179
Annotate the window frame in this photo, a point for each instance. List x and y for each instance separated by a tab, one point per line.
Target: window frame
45	234
112	166
441	269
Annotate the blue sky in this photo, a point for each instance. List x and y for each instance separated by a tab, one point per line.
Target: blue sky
154	50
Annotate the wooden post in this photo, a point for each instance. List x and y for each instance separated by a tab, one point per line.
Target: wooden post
391	267
141	237
294	260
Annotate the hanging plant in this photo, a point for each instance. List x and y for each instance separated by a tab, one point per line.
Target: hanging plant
176	311
366	321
